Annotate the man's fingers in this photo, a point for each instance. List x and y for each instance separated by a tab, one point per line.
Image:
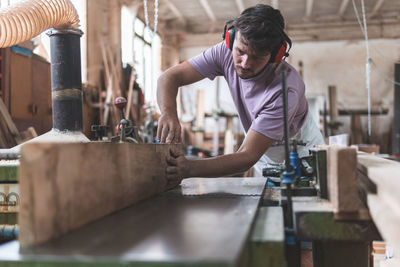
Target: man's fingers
164	134
177	135
170	137
173	174
173	177
175	153
172	170
159	130
172	161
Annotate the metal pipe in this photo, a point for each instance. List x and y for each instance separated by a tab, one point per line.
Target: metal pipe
285	122
396	115
66	80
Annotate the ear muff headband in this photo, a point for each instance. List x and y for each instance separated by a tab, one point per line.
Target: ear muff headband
278	55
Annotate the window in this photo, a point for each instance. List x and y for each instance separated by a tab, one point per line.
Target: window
143	53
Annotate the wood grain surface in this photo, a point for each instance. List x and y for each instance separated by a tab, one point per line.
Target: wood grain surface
65	186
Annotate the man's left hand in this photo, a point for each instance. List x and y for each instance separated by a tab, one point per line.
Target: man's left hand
177	168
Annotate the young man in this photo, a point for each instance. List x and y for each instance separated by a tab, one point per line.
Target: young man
250	59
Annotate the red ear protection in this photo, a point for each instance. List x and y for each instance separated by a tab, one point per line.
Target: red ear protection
276	56
281	52
229	35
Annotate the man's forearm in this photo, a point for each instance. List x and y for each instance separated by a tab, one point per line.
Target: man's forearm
167	90
221	165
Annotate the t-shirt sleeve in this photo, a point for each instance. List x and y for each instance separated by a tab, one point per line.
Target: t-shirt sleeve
210	62
269	121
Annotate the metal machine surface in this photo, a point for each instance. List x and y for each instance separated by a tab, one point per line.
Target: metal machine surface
206	222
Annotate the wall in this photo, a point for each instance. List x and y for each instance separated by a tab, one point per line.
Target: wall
343	64
339	63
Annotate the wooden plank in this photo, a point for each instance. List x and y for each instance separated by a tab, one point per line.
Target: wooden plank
130	94
356	129
386	218
390	263
20	86
65	186
333	109
229	136
343	180
369	148
8	126
383	173
199	134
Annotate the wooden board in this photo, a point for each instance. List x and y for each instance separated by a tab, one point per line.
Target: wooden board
343	180
383	194
386	219
21	86
65	186
384	173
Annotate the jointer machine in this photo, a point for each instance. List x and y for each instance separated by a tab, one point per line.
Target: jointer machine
111	209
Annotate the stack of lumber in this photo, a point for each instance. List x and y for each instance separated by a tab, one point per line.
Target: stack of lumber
380	179
64	186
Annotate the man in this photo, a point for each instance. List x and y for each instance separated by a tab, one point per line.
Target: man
250	59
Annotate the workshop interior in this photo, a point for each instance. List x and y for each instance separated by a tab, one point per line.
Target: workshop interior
82	172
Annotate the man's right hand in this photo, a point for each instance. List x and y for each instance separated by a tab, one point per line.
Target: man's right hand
169	129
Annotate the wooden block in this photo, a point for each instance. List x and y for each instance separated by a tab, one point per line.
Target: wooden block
342	179
367	148
65	186
361	215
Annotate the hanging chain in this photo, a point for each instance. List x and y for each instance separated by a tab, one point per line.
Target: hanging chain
146	18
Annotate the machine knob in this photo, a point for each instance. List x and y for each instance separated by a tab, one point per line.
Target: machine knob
120	103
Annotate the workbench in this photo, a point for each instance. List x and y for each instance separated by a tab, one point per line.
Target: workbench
204	222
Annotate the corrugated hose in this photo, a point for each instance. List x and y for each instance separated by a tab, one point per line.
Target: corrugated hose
28	18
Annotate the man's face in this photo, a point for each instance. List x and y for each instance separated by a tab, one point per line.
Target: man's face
248	63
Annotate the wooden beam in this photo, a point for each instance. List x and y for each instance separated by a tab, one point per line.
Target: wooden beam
376	8
383	196
65	186
176	11
343	7
309	8
206	6
342	31
240	5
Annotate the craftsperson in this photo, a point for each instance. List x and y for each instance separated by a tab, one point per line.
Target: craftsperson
251	60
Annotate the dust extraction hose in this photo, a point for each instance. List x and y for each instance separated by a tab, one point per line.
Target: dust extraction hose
28	18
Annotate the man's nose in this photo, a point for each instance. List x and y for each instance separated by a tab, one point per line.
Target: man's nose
245	62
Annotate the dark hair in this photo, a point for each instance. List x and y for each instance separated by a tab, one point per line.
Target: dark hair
261	28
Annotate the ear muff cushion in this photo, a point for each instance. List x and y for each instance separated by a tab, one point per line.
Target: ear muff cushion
230	37
281	52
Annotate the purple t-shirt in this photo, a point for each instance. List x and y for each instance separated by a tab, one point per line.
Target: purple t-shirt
258	100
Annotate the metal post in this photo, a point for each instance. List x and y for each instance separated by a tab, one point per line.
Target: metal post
66	81
396	119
